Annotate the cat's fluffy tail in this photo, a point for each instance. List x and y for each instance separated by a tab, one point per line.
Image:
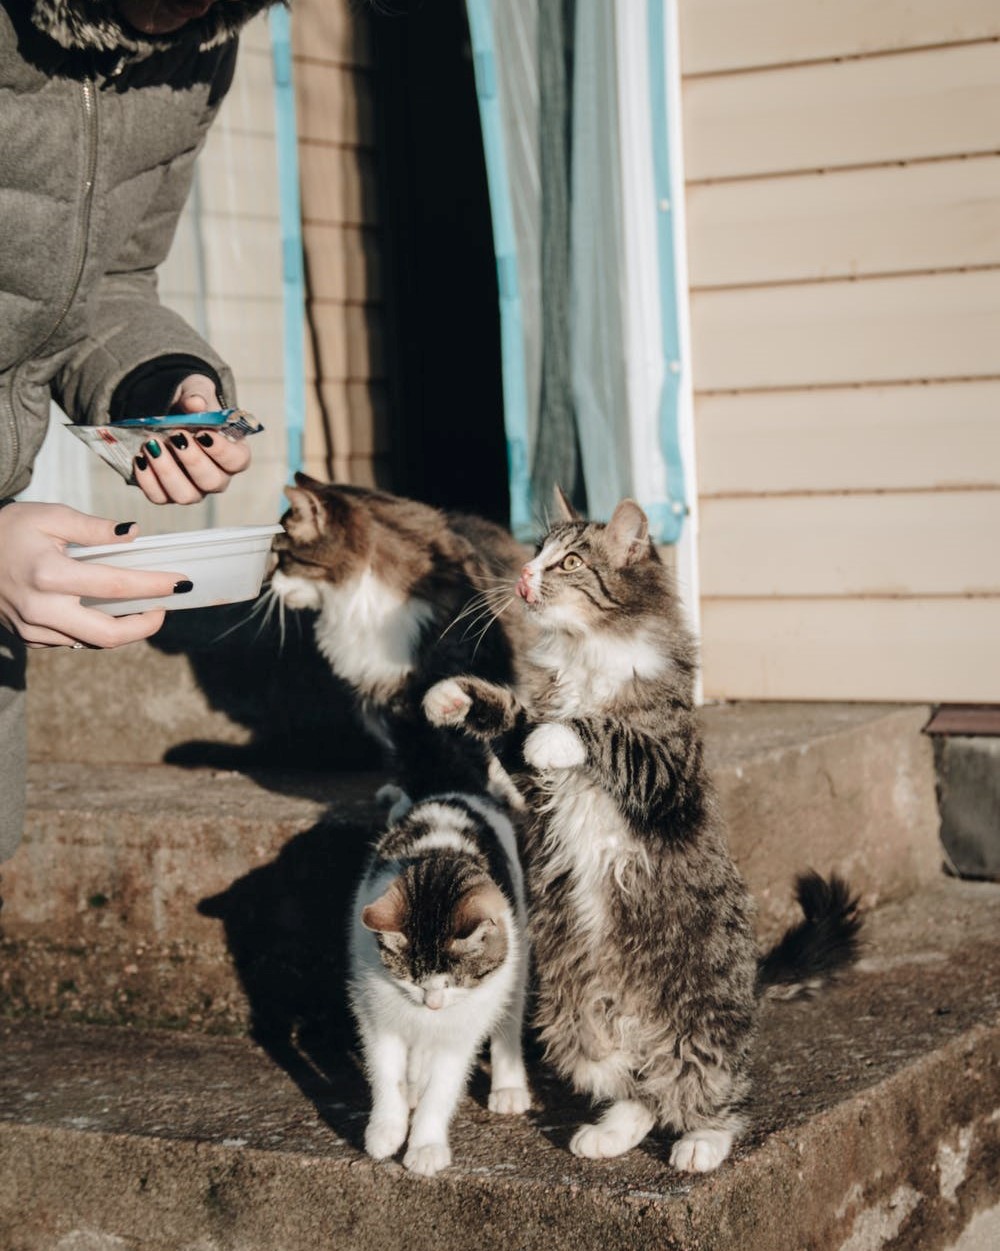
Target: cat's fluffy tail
824	943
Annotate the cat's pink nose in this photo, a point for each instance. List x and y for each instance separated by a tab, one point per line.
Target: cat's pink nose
434	999
524	585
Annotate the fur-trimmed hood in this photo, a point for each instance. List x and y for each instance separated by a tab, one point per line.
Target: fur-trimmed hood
96	26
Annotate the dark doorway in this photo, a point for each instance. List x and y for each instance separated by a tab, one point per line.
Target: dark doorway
443	329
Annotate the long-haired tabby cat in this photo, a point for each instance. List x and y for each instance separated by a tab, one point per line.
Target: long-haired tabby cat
438	961
646	962
404	596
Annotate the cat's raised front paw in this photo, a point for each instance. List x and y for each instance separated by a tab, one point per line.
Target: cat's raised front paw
701	1150
554	746
384	1138
510	1100
446	703
428	1159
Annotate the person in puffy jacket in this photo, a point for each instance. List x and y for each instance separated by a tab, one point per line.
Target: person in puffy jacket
104	107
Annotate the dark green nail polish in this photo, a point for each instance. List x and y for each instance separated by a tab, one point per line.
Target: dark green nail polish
182	587
154	449
123	527
179	441
205	439
141	462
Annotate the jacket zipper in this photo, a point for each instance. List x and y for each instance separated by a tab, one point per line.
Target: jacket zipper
89	98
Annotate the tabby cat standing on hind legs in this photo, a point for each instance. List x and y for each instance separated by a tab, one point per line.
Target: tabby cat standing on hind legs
405	595
648	974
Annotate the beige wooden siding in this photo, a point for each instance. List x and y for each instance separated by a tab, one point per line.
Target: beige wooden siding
346	428
843	207
719	35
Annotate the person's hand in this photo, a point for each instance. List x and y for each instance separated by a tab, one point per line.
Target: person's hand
40	587
183	468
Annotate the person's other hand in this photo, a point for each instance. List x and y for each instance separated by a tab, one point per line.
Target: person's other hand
184	467
40	586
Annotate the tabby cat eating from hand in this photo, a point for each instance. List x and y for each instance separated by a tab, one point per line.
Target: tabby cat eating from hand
648	973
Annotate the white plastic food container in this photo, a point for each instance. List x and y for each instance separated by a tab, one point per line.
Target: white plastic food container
225	565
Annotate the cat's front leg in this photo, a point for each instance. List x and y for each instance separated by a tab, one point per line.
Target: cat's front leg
623	1126
427	1151
509	1092
481	708
385	1060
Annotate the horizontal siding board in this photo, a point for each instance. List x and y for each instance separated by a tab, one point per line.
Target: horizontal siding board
718	35
873	330
850	439
334	105
344	263
921	651
338	185
349	342
920	544
911	106
330	30
247	333
238	175
893	219
249	105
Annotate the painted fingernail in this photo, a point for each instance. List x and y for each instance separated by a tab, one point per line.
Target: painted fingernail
179	441
205	439
123	527
182	587
154	449
141	462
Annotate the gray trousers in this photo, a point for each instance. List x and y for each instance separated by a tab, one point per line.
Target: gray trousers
13	742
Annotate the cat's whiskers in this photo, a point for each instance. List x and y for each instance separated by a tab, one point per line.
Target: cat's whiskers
483	632
260	605
489	610
483	602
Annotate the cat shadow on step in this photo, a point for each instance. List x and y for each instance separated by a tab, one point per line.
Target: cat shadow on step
285	925
275	689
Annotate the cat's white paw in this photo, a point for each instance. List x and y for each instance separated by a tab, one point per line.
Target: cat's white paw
446	703
554	746
429	1159
599	1142
510	1100
384	1138
701	1150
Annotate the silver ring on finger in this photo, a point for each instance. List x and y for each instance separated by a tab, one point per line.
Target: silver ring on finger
76	646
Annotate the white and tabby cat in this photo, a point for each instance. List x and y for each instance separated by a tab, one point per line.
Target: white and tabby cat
647	966
438	957
403	595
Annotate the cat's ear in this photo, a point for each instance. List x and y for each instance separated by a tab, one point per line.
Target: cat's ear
385	916
627	534
307	519
477	917
564	509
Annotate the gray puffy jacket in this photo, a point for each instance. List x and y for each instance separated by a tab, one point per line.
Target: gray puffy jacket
99	130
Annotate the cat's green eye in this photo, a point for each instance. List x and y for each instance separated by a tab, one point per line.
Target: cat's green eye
570	562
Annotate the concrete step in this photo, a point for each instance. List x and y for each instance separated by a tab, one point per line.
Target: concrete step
875	1123
216	686
113	904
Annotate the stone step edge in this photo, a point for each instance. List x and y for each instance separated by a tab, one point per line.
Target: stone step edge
800	1187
